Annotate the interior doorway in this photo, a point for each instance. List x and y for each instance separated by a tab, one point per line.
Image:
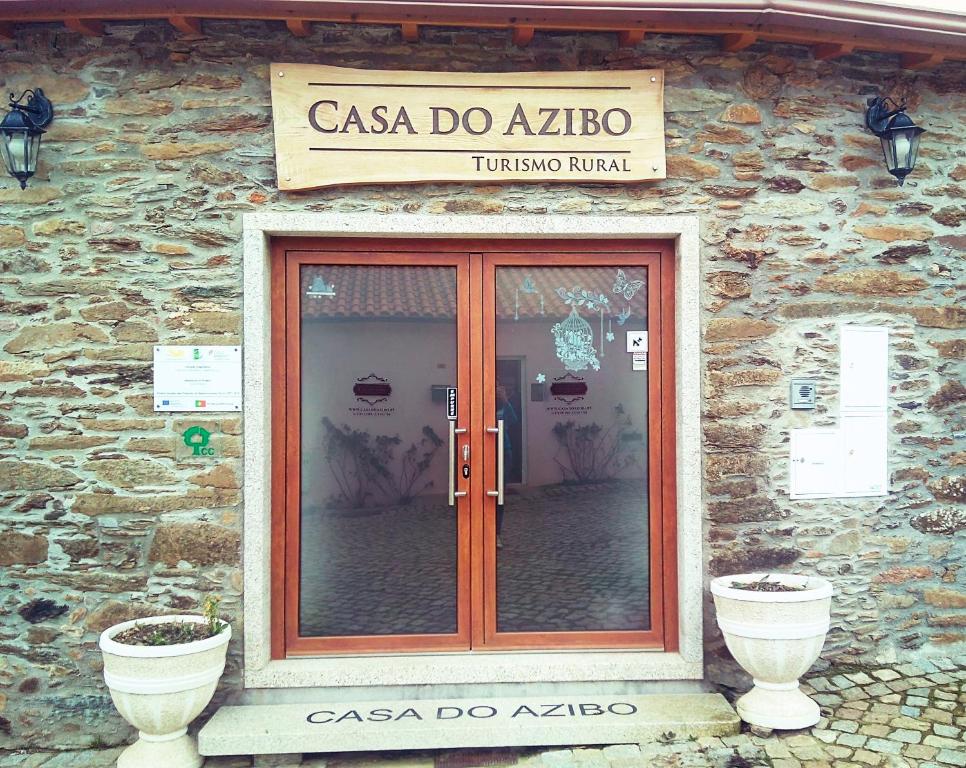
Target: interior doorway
511	389
539	516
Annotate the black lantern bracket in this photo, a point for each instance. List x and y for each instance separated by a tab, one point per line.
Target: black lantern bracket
38	108
897	133
878	115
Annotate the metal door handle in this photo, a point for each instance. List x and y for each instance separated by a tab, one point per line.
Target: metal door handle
453	493
498	431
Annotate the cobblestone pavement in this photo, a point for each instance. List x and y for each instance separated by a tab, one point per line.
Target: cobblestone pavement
574	557
910	715
379	571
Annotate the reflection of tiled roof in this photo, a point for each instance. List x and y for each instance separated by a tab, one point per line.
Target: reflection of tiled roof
546	281
430	292
382	292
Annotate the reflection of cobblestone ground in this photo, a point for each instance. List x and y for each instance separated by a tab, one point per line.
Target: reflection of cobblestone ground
574	558
905	716
379	572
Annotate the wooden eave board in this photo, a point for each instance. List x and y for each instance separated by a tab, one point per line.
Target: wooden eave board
893	29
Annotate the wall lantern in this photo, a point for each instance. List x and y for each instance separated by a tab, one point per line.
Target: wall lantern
20	133
898	134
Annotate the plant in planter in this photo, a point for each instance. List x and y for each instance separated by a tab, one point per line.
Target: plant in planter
161	672
775	626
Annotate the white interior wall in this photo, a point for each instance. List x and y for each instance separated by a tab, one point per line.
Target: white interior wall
414	355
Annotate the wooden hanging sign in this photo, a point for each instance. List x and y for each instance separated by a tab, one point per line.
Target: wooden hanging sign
353	126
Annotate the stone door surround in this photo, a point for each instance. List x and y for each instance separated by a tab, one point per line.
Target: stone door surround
261	671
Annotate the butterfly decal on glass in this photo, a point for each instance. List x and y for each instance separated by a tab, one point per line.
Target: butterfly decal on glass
623	315
578	297
626	287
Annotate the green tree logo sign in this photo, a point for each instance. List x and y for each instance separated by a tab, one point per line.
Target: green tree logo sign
197	439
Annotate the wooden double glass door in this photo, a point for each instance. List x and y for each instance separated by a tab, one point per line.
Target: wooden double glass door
473	445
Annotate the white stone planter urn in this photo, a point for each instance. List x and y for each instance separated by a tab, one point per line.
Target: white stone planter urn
161	689
775	637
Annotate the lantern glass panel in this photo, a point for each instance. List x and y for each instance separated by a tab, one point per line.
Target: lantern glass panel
913	133
900	143
900	147
15	147
887	151
5	153
33	151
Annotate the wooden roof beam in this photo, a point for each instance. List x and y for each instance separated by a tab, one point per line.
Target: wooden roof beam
826	51
628	38
299	27
410	32
86	27
522	35
186	25
738	41
921	60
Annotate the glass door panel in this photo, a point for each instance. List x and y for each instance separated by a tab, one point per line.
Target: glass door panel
379	532
572	529
541	516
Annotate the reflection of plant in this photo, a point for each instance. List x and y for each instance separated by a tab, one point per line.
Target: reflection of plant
361	464
594	453
356	464
412	468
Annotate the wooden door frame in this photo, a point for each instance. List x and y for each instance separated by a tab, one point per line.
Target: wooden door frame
661	454
471	334
288	256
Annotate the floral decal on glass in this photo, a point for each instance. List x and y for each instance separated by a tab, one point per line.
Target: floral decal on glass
574	341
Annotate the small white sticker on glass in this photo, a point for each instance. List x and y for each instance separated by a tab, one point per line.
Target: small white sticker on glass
637	341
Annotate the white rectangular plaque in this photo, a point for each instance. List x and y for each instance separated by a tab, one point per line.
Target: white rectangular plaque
865	455
197	378
852	460
864	368
815	463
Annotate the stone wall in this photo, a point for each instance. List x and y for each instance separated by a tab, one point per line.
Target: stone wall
130	236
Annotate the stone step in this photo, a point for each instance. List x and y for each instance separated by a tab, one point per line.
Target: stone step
268	729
